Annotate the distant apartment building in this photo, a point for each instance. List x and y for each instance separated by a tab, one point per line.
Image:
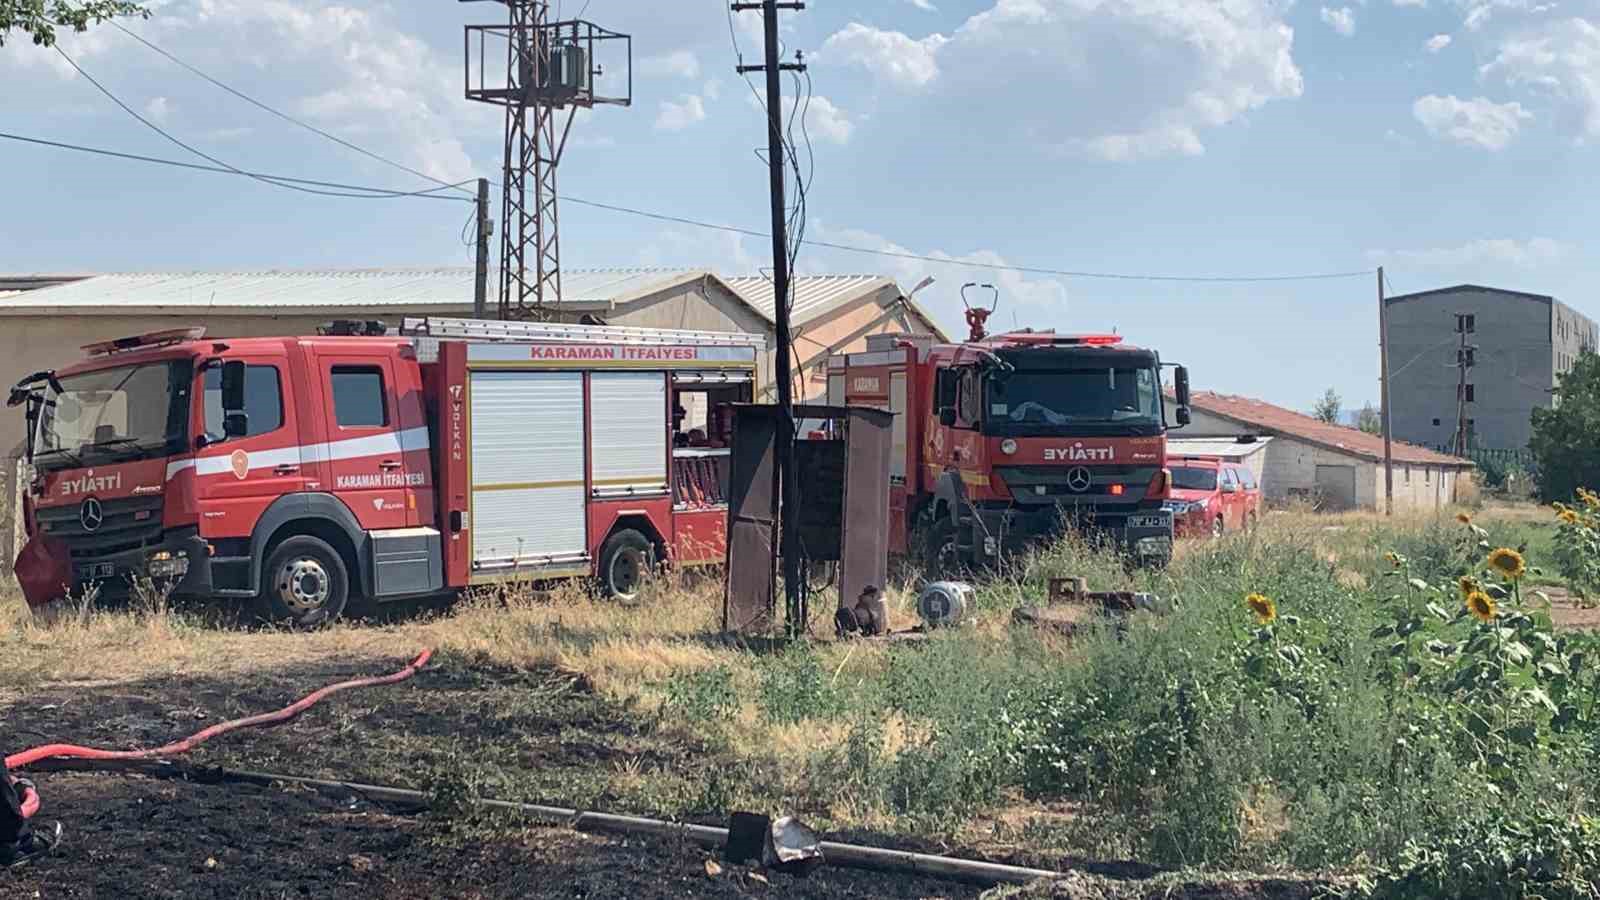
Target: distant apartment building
1523	344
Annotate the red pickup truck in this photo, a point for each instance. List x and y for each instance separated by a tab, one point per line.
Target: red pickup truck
1212	496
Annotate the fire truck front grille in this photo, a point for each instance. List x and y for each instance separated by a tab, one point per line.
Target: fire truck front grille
1054	484
126	524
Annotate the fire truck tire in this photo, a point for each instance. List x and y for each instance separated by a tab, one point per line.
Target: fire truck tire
626	560
1217	527
941	554
304	583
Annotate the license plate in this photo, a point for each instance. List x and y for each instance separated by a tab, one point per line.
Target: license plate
1148	521
96	571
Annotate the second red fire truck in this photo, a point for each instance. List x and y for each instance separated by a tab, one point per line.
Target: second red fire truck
1005	438
306	474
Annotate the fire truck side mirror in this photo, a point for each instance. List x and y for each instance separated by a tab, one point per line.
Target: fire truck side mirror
232	387
235	424
1182	416
1180	383
947	416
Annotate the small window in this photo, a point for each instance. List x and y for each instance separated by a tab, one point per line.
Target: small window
263	400
1471	397
358	397
1436	423
1427	475
1408	468
1466	323
948	379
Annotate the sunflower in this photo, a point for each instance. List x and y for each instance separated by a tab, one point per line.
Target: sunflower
1468	585
1508	563
1569	516
1393	558
1464	518
1263	607
1481	606
1589	498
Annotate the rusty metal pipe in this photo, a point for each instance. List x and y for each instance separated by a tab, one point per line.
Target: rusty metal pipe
850	856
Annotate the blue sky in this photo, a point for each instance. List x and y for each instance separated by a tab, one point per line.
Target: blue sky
1450	140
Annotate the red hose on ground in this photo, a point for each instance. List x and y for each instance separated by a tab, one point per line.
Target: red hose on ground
30	799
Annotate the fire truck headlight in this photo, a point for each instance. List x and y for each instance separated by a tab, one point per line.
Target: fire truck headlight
1008	446
167	564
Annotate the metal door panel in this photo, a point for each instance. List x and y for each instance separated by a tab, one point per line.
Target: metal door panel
628	431
527	468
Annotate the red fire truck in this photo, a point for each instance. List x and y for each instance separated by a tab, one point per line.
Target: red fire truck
305	473
1015	436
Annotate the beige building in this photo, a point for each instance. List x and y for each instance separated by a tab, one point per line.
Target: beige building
45	320
1335	466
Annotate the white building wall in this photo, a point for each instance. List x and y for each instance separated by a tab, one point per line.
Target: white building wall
1287	468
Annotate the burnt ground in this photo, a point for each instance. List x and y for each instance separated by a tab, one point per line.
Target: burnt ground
454	730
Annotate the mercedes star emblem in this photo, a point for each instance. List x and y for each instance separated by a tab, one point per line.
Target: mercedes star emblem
1079	479
91	514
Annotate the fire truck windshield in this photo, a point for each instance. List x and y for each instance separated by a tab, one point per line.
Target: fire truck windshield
1075	400
115	415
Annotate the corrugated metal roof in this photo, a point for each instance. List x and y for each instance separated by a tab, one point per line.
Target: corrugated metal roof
1339	438
1225	448
814	295
445	287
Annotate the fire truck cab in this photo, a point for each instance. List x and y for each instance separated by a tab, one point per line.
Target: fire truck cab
304	474
1003	439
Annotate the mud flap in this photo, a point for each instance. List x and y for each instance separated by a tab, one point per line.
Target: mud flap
44	570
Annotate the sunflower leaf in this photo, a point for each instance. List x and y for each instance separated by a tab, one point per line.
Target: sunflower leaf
1439	612
1420	584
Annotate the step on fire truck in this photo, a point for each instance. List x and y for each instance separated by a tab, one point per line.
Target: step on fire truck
305	473
1010	437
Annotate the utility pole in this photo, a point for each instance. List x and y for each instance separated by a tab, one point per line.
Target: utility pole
1383	369
480	282
787	484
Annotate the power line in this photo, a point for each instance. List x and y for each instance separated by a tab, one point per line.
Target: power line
373	193
1032	270
283	115
429	194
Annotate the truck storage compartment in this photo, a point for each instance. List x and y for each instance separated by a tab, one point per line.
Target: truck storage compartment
526	469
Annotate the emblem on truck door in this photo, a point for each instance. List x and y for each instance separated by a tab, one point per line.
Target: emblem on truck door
239	461
91	514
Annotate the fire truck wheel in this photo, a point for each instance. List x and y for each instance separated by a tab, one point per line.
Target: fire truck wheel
625	563
942	552
1217	528
304	583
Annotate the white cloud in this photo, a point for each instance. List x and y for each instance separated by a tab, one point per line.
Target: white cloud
1476	17
158	109
1127	79
223	135
1342	20
1421	4
1047	297
1561	58
353	70
676	116
827	122
1478	122
1493	251
677	64
889	55
1437	42
711	90
723	252
924	5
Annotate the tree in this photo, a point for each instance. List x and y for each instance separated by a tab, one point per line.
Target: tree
1369	421
39	19
1327	409
1566	438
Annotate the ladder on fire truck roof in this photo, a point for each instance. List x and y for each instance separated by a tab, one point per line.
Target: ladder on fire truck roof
498	330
